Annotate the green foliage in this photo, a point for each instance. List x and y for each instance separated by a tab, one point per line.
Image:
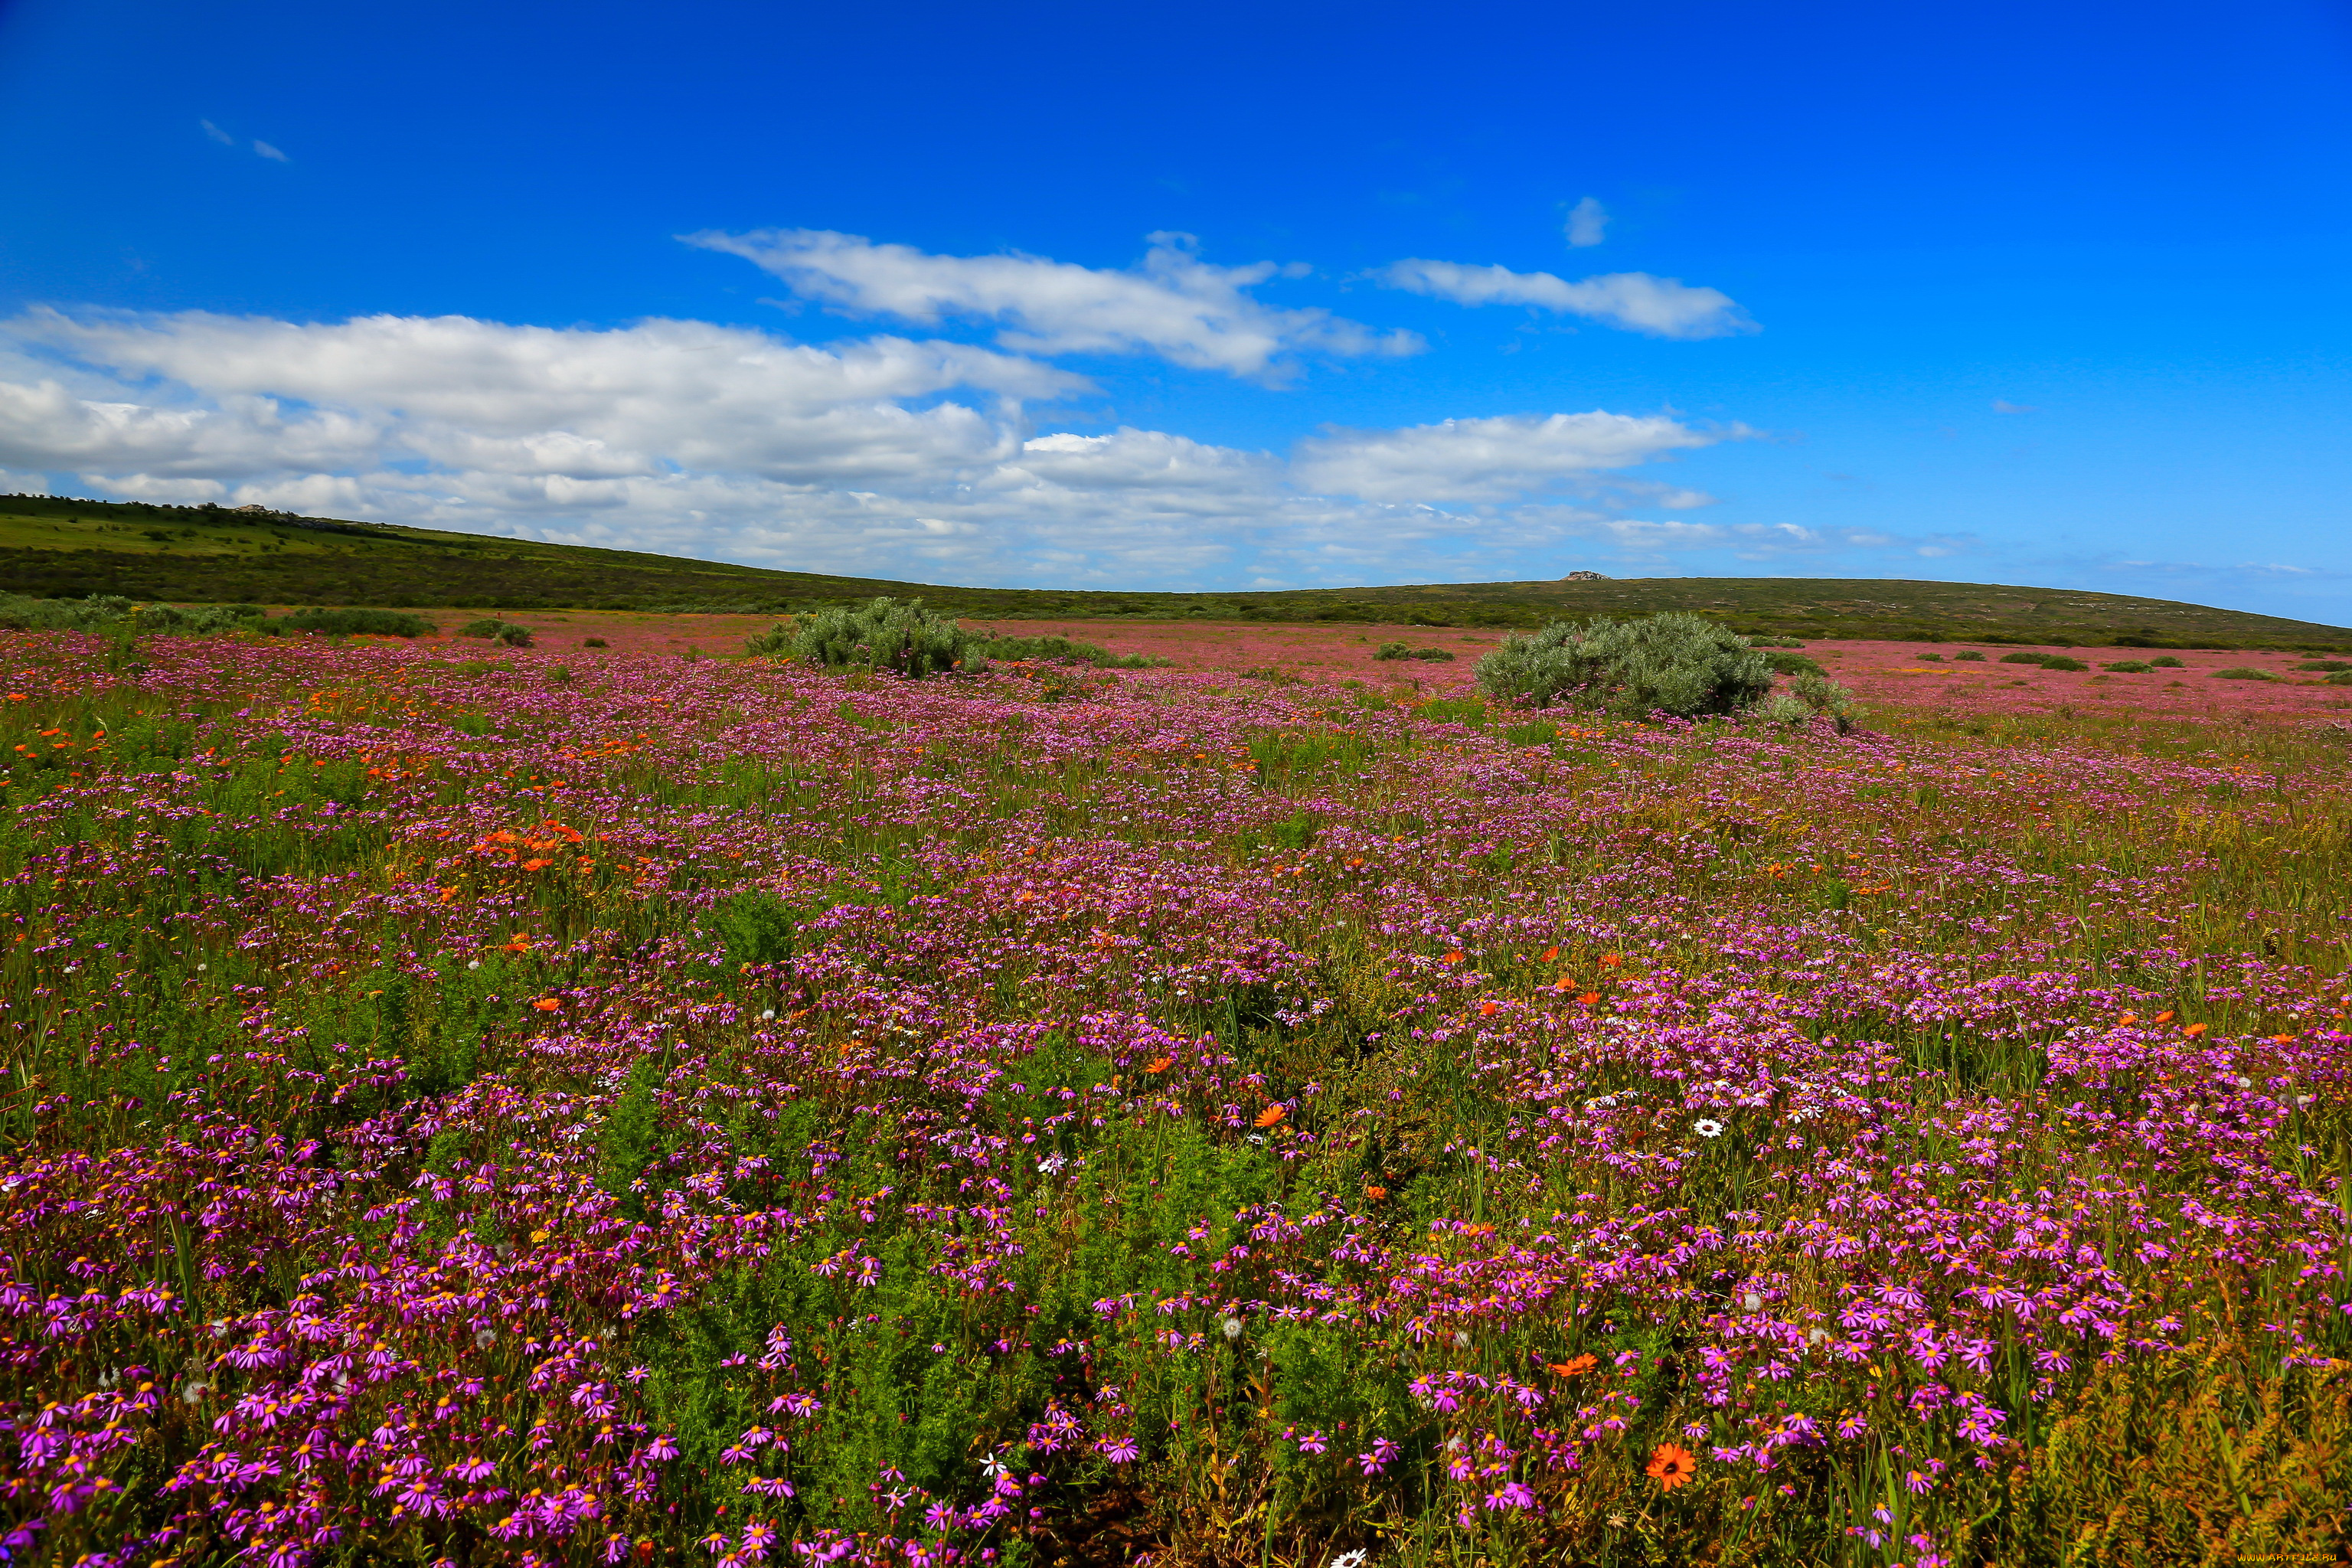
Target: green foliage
1798	664
1064	650
593	642
1401	650
1968	656
506	634
1679	664
900	636
2165	661
2129	667
2325	667
755	926
372	623
2243	672
2025	657
2060	661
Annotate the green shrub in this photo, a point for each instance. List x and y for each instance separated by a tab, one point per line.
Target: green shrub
506	634
1065	651
1401	650
2243	672
2165	661
1969	656
1676	663
885	634
2325	666
593	642
1796	663
2025	658
2341	677
2060	661
1929	657
2129	667
372	622
1774	642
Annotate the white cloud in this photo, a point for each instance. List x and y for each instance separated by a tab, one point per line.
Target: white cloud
1588	223
1662	307
1173	304
272	154
1488	459
217	135
2002	405
889	457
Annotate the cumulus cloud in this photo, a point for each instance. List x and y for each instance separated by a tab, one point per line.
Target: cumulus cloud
887	455
1660	306
1173	304
1488	459
1588	223
265	149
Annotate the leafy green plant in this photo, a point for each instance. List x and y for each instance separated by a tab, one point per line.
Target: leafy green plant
2025	656
1401	650
2243	672
898	636
1680	663
2325	667
2060	661
1065	651
2129	667
593	642
1968	656
2165	661
1798	664
345	622
506	634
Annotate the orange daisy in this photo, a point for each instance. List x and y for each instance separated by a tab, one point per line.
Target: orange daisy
1671	1466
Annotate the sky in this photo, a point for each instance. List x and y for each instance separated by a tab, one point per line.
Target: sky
1219	297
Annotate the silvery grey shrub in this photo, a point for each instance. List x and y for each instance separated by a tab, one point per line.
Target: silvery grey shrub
900	636
1676	663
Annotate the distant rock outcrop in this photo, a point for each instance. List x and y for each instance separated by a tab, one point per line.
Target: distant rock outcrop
1584	577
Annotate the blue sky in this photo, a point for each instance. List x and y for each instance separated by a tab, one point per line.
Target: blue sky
2011	293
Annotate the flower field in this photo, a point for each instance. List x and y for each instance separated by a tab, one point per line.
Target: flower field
580	1107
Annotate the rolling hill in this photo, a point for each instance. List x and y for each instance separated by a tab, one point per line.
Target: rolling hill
61	547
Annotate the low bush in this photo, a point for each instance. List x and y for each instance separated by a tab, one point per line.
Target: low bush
506	634
1400	650
900	636
2129	667
1774	642
2025	658
1929	657
1969	656
2243	672
1065	651
2060	661
370	623
593	642
1796	663
2165	661
2341	677
2325	666
1678	663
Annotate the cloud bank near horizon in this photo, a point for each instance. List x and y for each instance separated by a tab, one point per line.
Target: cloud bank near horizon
895	455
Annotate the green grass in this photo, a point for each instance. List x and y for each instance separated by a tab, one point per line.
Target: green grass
61	547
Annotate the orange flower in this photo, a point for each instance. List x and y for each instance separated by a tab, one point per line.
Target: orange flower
1589	998
547	1004
2193	1030
539	865
1563	983
1270	1115
1454	957
1161	1063
1575	1368
1488	1009
1611	961
2128	1019
1377	1194
2166	1017
2282	1039
515	944
1671	1466
1479	1229
1551	953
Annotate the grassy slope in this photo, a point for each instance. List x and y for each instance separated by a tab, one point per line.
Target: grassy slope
61	547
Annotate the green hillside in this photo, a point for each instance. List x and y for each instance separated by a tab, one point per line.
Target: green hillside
58	548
